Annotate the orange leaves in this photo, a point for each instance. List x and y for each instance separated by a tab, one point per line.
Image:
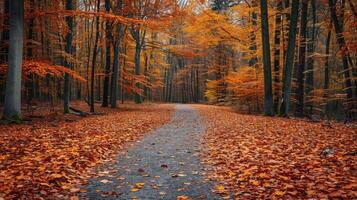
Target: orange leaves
185	51
51	157
43	68
269	158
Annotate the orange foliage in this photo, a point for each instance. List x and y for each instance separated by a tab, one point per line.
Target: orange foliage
43	68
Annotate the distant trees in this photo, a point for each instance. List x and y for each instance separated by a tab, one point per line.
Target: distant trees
162	50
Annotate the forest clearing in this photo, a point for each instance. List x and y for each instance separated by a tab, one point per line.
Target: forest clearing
178	99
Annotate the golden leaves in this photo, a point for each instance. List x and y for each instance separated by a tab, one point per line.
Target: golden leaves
137	187
183	197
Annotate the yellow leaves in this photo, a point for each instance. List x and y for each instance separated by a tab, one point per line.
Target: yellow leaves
183	197
263	175
134	189
56	176
279	193
255	182
220	188
137	187
231	174
209	28
266	184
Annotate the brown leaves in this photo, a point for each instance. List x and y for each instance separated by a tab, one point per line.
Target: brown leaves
265	157
56	159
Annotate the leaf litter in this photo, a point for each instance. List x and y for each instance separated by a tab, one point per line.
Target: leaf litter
270	157
39	160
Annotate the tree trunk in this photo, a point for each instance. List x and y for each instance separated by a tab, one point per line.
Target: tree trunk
68	49
12	106
301	61
108	52
310	60
342	47
5	34
287	73
138	98
277	36
94	60
116	67
268	93
253	47
327	73
30	78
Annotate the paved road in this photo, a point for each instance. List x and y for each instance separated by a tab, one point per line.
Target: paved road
164	165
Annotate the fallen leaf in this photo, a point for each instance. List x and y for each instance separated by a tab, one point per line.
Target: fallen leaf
182	197
134	189
105	181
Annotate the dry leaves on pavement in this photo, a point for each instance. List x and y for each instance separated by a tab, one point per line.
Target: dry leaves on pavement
50	160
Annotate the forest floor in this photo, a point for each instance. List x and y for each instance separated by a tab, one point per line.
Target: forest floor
271	158
51	155
199	152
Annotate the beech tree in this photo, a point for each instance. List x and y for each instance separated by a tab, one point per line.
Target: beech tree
290	52
268	92
12	106
68	49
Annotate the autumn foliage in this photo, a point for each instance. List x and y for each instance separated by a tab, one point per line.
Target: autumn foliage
273	158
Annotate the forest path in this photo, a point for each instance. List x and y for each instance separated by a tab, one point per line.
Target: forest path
163	165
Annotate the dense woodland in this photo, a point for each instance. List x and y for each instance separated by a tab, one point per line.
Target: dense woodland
275	57
178	99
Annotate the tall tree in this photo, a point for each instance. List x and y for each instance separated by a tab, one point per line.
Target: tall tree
94	59
139	37
277	35
108	38
116	62
12	106
342	46
311	37
288	66
301	60
268	93
68	49
5	34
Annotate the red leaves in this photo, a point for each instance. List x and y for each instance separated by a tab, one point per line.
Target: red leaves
41	160
265	157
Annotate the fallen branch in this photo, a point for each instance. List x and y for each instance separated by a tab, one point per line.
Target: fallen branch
78	112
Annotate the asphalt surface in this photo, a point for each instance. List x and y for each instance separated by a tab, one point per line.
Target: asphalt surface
163	165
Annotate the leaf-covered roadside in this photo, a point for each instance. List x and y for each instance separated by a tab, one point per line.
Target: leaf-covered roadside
51	159
265	157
